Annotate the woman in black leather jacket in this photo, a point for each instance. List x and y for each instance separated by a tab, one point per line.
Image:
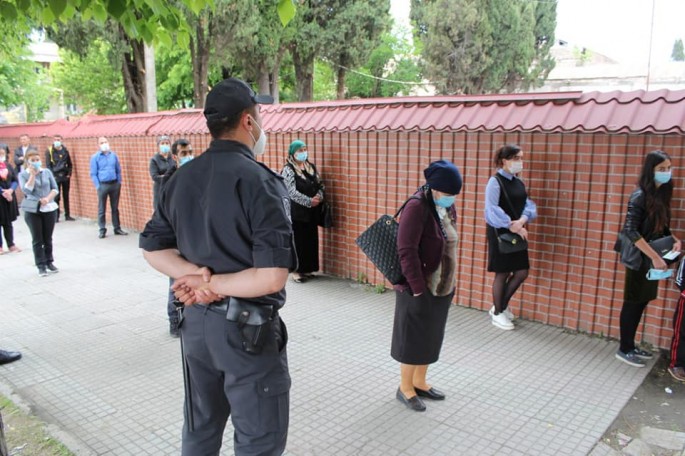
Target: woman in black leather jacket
648	218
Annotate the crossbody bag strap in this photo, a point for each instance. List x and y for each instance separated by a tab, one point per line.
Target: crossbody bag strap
506	195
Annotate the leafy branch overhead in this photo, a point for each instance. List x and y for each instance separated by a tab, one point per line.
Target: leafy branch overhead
149	20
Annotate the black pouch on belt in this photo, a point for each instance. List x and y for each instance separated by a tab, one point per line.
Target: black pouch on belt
254	322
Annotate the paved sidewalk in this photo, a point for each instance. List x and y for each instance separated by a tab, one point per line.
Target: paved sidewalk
100	367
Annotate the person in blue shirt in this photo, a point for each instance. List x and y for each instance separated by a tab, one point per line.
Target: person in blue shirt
105	172
507	209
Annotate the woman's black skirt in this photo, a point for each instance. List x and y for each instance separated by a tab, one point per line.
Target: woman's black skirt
637	288
419	327
499	262
306	246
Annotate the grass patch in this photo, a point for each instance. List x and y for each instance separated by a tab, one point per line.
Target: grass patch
26	434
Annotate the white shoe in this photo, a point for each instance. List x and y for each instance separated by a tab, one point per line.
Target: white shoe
502	321
510	315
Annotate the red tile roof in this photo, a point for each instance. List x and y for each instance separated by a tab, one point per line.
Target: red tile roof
661	111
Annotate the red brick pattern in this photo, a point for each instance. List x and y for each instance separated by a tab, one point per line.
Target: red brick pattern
580	182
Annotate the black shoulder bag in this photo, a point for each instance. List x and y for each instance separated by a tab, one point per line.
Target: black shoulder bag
379	243
509	242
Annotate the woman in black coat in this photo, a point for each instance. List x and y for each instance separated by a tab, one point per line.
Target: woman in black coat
9	210
648	219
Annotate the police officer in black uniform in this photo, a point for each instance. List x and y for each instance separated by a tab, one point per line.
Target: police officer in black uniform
222	230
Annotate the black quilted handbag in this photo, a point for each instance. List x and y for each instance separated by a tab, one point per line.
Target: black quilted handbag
379	243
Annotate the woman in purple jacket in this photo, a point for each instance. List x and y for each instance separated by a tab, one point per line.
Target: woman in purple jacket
427	246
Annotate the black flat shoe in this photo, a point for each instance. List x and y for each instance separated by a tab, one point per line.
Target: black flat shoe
414	403
102	234
120	232
432	393
8	356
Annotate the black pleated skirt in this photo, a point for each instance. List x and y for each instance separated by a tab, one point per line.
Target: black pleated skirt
306	246
419	327
498	262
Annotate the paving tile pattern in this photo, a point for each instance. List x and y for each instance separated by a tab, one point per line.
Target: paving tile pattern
99	365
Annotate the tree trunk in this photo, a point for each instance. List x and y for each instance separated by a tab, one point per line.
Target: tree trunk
199	52
304	76
341	83
133	71
263	81
275	86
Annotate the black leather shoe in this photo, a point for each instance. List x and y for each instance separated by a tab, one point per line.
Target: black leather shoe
69	219
52	268
102	234
120	232
8	357
432	393
415	403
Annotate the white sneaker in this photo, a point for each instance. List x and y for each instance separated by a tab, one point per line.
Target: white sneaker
502	321
510	315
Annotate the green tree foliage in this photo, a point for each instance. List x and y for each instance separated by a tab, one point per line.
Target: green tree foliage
393	60
22	81
678	53
353	33
174	70
89	81
483	46
149	20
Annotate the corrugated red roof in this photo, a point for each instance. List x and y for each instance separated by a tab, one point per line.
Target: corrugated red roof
660	111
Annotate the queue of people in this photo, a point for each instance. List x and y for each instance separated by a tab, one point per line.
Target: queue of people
228	268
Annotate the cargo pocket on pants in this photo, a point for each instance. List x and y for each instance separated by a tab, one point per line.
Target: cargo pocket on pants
274	403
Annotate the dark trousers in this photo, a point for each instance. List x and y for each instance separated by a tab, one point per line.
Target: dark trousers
307	246
678	342
110	191
8	231
41	225
631	314
225	380
63	185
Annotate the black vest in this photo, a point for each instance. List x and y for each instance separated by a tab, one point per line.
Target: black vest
308	185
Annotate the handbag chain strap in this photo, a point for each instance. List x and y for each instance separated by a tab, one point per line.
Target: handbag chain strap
506	195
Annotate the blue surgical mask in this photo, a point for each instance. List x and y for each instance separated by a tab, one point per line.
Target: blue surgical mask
36	165
301	156
183	160
661	177
658	274
164	148
57	144
445	201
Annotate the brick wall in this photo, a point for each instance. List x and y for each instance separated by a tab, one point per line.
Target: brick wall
579	181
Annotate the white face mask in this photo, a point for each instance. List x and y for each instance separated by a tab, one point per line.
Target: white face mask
516	167
2	159
104	147
260	144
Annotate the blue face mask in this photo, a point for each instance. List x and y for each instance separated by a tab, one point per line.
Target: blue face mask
658	274
183	160
164	148
661	177
445	201
301	156
37	165
57	144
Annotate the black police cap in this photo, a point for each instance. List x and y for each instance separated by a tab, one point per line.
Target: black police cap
230	97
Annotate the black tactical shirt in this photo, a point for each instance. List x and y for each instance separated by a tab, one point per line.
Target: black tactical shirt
226	211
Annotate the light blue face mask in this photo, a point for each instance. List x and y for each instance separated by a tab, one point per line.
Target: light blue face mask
183	160
164	148
661	177
57	144
445	201
658	274
37	165
301	156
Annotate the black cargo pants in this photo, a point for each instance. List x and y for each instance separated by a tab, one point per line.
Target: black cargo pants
225	380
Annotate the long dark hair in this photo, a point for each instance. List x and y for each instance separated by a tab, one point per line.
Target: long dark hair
658	200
